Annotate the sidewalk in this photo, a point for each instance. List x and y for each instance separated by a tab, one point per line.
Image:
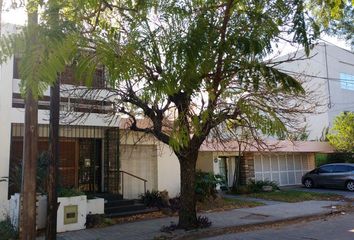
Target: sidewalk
148	229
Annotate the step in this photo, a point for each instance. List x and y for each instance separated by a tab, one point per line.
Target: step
131	213
114	203
109	196
127	208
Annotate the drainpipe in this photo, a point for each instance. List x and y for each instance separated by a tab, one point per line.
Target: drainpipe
327	76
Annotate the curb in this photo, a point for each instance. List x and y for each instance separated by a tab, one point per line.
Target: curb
253	226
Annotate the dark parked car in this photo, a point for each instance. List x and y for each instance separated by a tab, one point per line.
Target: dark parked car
335	175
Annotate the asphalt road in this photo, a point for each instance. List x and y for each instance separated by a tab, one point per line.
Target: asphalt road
334	228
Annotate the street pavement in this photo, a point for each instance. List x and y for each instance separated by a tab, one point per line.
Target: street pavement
333	228
148	229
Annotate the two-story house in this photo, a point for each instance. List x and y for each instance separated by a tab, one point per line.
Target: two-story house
95	156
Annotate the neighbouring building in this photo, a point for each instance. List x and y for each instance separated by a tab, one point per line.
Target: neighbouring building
284	162
329	72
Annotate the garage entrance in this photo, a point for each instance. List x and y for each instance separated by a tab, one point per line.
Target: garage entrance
282	168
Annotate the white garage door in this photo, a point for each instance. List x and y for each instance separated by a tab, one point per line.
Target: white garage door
140	160
284	169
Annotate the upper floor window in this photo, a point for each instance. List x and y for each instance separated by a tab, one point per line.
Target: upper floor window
68	76
16	72
347	81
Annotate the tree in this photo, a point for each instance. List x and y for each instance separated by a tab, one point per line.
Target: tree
337	18
30	149
189	66
45	51
341	135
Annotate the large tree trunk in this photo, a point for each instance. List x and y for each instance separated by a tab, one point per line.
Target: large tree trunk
29	170
30	155
188	213
52	208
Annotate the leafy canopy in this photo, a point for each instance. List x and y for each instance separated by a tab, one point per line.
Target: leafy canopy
201	62
341	135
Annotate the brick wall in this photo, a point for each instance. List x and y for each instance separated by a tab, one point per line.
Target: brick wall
247	168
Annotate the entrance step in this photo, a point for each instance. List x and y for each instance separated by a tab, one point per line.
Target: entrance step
109	196
125	207
114	203
131	213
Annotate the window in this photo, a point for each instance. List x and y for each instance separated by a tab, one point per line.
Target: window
68	76
347	81
16	72
326	169
342	168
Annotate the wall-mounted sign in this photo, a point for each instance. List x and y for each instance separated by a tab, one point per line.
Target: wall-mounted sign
70	214
87	162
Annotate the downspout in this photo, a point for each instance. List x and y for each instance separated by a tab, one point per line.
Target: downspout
327	77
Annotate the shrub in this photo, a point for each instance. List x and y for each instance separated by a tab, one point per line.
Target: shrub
205	184
152	199
94	220
69	192
203	222
7	230
175	204
15	179
256	185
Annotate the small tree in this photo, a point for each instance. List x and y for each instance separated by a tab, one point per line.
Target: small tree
341	135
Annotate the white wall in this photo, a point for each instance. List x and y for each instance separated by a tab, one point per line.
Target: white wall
313	66
321	73
5	127
168	170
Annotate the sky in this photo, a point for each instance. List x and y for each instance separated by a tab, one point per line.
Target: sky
18	17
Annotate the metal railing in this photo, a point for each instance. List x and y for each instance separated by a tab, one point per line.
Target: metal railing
132	175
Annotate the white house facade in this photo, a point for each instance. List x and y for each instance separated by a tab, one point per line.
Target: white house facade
329	73
95	156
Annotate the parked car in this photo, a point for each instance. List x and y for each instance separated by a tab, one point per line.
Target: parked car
335	175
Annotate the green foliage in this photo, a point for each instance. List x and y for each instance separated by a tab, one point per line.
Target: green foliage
15	179
205	184
338	19
7	230
254	186
336	157
341	135
44	51
69	192
152	199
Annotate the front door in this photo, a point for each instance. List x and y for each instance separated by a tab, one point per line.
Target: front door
90	165
223	171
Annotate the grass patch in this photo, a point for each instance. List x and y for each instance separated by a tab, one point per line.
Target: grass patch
222	204
294	196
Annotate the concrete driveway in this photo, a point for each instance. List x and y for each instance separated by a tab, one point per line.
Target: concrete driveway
344	193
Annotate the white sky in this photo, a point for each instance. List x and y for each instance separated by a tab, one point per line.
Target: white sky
18	16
